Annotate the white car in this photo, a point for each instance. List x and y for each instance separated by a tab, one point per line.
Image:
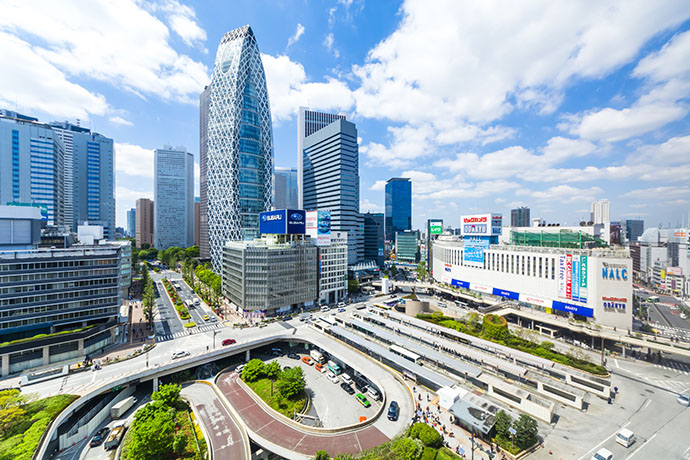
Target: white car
602	454
332	377
346	378
180	354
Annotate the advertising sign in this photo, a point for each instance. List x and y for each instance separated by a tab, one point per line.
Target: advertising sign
614	272
296	222
583	279
273	222
576	279
676	271
319	227
561	277
578	310
481	288
568	276
460	284
435	227
506	294
614	303
473	253
534	300
481	225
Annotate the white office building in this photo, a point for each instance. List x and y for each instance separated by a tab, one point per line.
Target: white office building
333	269
591	284
173	189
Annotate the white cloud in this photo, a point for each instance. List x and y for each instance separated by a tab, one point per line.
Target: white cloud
655	193
378	185
183	21
669	62
566	194
368	206
289	88
118	120
328	43
119	43
127	195
298	33
133	160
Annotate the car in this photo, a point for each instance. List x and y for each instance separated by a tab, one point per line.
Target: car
683	400
602	454
341	309
346	378
307	360
293	356
205	317
332	377
286	318
348	389
180	354
363	400
229	342
320	367
99	437
393	411
341	304
239	368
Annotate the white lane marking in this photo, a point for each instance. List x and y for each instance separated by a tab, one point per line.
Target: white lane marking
602	442
646	404
616	361
640	448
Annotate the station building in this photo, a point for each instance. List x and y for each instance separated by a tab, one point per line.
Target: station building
587	284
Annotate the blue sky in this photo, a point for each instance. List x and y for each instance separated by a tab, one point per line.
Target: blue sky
485	105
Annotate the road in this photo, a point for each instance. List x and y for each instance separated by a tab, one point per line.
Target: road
227	440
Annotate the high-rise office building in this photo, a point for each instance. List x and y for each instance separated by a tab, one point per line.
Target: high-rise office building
173	193
398	206
600	212
197	208
520	217
204	250
144	222
285	191
308	122
238	160
132	223
32	168
634	228
406	247
331	181
89	177
374	237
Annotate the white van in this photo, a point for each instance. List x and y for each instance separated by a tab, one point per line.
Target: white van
625	437
374	393
602	454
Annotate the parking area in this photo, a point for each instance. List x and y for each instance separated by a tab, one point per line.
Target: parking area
330	403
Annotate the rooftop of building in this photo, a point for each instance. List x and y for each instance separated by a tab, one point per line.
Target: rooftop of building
398	179
77	250
596	252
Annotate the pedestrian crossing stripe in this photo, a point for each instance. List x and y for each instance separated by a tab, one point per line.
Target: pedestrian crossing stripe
195	330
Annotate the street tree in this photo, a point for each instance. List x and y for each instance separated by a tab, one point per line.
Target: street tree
291	382
272	370
254	370
168	395
152	439
526	431
11	411
503	421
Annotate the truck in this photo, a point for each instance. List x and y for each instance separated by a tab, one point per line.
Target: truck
334	367
114	438
119	409
317	356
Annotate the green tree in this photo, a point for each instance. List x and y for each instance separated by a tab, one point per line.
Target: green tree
421	270
425	433
526	431
352	286
322	455
179	444
11	411
168	395
254	370
152	439
291	382
407	449
272	370
503	421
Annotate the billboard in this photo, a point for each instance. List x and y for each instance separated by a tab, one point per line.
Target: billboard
319	227
481	224
583	279
473	253
283	222
435	227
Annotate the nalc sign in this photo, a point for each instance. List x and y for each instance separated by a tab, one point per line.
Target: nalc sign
614	272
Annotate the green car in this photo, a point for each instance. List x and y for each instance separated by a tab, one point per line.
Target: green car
362	400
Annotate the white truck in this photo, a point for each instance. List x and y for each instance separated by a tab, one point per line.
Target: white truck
119	409
317	356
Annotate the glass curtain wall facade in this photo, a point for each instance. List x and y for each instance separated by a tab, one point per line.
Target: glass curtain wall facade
374	238
173	188
204	250
285	189
398	206
239	159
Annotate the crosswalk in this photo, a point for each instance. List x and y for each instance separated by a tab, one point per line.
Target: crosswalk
676	386
669	331
190	331
676	366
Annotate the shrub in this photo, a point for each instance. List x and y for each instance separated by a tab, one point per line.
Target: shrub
322	455
429	453
253	371
429	436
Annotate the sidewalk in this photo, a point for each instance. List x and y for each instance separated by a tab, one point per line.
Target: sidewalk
137	337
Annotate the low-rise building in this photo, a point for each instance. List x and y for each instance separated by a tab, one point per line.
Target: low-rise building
271	275
593	284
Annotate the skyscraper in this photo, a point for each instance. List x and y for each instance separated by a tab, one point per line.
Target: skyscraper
634	228
398	206
601	212
239	153
285	191
519	217
374	237
204	250
89	177
32	166
132	223
144	222
308	122
331	181
173	193
197	208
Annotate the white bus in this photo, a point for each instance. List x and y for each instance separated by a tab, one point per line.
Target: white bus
407	354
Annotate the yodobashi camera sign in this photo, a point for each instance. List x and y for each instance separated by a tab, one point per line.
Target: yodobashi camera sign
282	222
481	224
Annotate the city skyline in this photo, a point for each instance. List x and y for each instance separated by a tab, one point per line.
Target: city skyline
591	116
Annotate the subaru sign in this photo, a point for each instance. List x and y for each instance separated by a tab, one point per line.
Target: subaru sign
282	222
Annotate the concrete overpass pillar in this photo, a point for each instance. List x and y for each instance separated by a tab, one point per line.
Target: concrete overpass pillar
155	384
5	364
247	356
623	346
80	346
46	355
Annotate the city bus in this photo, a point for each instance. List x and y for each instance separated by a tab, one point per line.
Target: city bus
407	354
383	306
653	299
